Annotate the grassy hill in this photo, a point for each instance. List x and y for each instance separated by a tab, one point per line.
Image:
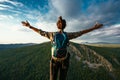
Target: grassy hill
32	63
11	46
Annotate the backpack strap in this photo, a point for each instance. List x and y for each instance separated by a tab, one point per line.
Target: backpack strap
65	36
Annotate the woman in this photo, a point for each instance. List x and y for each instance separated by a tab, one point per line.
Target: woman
59	63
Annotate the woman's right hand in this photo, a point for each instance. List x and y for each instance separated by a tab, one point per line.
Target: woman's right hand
26	23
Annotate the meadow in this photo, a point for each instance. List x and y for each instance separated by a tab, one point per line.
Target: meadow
32	63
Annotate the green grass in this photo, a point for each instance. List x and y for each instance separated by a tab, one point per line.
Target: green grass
26	63
110	53
32	63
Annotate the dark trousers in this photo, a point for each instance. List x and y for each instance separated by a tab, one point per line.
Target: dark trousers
59	69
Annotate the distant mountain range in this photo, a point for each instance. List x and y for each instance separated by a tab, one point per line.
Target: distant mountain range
98	43
10	46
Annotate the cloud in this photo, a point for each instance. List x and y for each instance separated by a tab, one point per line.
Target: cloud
106	34
15	3
11	6
5	17
108	31
10	23
79	14
108	11
80	18
5	7
3	0
67	8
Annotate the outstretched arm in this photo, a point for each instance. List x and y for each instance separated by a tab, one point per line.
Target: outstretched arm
96	26
73	35
27	24
49	35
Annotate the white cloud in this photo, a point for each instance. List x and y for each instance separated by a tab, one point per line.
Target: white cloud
2	5
105	34
71	11
15	3
5	7
3	0
66	7
108	31
2	17
6	17
47	26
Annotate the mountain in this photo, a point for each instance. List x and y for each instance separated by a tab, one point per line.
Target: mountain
101	43
86	62
98	43
10	46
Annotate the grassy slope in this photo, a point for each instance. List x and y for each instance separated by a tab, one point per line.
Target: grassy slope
100	74
27	63
32	63
111	53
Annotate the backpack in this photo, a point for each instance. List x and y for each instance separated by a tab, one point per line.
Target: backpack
60	43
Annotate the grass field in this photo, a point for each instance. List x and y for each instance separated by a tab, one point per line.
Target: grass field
32	63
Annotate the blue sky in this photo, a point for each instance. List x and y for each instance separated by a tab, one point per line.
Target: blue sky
43	14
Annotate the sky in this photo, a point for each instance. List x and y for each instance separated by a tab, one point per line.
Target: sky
43	14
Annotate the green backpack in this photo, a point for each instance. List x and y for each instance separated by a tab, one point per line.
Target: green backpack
59	45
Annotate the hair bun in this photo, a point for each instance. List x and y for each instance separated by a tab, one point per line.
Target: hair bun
60	18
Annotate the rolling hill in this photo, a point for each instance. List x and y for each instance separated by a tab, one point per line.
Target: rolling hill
86	62
11	46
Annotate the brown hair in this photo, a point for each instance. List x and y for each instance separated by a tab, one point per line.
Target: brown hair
62	21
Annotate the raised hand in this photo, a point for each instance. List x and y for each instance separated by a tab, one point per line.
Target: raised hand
26	23
98	25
